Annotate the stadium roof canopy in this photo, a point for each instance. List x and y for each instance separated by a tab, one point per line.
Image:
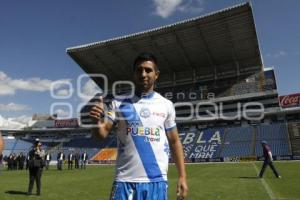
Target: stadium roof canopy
214	46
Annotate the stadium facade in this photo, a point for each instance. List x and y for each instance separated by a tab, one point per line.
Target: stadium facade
211	67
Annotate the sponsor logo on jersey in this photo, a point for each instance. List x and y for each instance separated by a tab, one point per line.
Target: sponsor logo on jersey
152	134
159	114
145	112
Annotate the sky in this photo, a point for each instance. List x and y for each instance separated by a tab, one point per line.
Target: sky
34	35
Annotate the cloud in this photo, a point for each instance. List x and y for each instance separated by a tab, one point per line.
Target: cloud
62	113
89	90
9	86
276	54
16	122
192	6
6	90
13	107
24	119
165	8
63	92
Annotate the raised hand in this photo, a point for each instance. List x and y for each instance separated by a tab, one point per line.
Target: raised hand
97	111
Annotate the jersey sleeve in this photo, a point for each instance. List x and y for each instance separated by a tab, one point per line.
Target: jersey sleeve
111	111
170	120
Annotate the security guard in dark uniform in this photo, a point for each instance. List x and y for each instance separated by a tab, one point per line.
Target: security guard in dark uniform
36	164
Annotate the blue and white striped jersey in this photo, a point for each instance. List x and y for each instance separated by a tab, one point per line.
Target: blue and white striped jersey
142	124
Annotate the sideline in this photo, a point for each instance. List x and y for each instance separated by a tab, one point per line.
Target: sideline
265	184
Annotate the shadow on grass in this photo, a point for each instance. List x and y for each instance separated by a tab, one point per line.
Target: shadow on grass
248	177
13	192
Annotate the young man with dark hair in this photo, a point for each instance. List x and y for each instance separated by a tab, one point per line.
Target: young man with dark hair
146	129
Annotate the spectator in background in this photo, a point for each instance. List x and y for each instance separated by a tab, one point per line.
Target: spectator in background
36	164
77	158
70	161
84	158
1	149
15	161
268	160
47	160
21	161
27	161
4	161
60	160
10	162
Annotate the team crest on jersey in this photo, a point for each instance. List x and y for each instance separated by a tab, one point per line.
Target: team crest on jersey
145	113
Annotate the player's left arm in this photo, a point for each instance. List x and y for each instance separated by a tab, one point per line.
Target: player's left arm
270	155
177	155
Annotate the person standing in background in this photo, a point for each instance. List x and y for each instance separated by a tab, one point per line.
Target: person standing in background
21	161
47	160
36	164
15	161
77	158
60	160
268	160
84	158
70	161
1	149
27	162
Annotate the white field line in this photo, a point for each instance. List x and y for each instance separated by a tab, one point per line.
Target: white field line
265	184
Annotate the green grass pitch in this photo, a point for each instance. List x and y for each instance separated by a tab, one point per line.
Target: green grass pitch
232	181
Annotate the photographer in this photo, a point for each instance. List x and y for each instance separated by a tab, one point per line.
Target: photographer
36	164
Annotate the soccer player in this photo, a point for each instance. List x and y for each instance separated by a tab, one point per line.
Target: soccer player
268	160
146	129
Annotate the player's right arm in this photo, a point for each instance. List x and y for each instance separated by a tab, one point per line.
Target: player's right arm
97	114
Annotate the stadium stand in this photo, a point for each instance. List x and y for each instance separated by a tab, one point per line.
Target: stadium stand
43	124
13	145
211	62
238	142
277	137
202	144
198	71
234	141
106	154
294	131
